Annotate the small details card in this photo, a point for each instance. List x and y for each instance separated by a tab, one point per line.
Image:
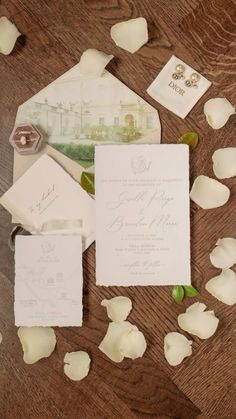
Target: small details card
48	280
142	215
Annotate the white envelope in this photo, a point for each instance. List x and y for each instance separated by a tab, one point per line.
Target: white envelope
46	199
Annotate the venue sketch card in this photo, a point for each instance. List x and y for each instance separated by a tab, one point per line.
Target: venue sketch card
48	280
142	215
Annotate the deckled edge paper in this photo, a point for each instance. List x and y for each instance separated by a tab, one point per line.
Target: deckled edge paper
142	215
49	286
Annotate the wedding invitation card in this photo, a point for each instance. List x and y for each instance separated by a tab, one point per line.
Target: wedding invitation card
48	280
47	199
142	215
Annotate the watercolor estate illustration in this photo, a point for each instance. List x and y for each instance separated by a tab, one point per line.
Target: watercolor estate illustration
75	114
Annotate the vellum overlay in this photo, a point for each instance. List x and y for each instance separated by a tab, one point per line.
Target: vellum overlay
142	215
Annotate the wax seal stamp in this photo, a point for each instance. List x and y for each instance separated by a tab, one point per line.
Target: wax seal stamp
26	139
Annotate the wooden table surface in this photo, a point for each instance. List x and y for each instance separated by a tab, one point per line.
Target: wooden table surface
56	32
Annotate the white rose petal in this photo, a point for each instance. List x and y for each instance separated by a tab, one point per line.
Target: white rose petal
209	193
93	62
218	111
224	162
224	254
223	287
118	308
77	365
176	348
8	35
131	34
133	344
198	322
110	344
37	343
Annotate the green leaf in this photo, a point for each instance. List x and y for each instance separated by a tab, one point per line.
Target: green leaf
87	182
189	138
178	293
190	291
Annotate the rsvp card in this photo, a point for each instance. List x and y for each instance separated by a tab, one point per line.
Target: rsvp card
142	215
48	280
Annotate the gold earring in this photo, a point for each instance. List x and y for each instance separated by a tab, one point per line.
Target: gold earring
193	80
179	70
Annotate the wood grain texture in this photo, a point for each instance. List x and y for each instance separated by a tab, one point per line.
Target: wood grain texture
56	32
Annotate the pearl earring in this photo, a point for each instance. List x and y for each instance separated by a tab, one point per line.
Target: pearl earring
179	70
193	80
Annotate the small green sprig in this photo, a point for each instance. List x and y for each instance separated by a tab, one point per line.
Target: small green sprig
181	291
189	138
87	182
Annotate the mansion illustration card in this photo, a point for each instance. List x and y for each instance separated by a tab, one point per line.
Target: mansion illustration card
75	114
142	215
